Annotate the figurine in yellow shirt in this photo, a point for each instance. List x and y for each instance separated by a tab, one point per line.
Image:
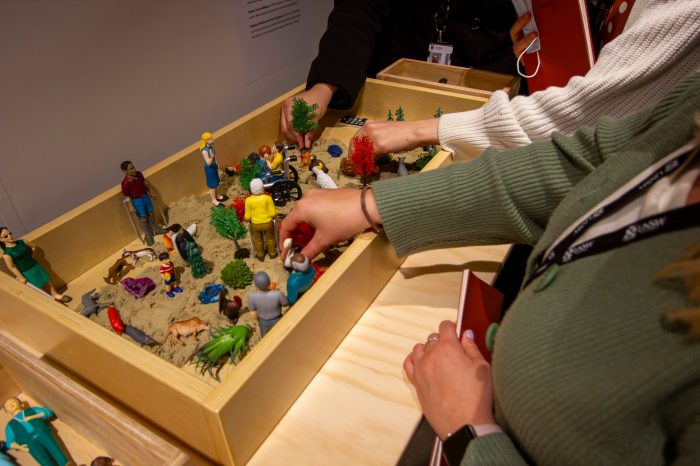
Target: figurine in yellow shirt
277	157
260	211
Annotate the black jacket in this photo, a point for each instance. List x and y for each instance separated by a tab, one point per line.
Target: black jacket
365	36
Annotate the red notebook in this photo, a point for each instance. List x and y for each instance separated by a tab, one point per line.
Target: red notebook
479	306
566	45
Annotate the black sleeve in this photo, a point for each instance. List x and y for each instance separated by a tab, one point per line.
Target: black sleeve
347	46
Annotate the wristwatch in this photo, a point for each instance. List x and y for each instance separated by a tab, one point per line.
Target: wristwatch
455	444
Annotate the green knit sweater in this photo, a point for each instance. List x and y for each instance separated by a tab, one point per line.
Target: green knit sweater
583	373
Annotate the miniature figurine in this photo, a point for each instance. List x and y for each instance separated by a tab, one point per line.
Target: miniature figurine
211	168
260	211
304	117
362	158
266	302
228	340
90	304
183	328
302	274
28	430
136	188
18	258
402	170
277	156
117	271
137	254
102	461
231	308
320	172
188	250
167	272
305	157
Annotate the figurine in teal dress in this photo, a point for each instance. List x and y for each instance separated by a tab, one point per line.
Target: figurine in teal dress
18	258
211	168
29	431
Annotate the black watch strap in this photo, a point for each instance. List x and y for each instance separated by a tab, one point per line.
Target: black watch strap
454	446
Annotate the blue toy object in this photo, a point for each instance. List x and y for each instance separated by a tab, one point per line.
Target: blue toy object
210	293
335	150
298	283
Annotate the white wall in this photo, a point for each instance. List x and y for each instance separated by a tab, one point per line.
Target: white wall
86	84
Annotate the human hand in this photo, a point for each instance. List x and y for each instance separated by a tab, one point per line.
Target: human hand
520	42
452	381
320	94
397	136
334	214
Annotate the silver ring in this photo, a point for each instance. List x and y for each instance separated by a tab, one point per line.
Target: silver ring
432	338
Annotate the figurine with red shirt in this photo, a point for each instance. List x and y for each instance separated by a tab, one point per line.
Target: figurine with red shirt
136	188
167	272
211	168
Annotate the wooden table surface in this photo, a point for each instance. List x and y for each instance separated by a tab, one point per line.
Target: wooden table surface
360	408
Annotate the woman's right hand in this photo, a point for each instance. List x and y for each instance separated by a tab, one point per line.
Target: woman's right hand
520	42
335	214
398	136
320	94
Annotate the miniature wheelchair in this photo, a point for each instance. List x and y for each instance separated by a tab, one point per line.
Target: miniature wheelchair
283	184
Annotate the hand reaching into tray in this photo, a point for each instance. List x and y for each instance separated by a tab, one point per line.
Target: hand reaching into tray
336	215
398	136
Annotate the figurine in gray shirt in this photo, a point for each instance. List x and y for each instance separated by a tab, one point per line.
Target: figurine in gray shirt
268	303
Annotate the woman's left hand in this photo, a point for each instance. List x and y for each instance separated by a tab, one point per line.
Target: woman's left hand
452	381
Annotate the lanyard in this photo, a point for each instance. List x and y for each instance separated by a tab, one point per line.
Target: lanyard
672	220
441	15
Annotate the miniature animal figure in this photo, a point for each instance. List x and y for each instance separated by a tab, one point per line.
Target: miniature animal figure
402	170
139	336
117	271
137	254
183	328
347	167
90	304
230	307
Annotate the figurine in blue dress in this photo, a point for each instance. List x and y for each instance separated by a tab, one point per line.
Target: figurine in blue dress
211	168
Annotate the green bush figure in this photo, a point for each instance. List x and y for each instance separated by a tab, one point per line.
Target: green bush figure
303	116
226	223
399	114
426	157
236	274
438	112
249	170
197	264
389	116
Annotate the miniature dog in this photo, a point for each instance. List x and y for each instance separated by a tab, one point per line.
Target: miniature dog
90	305
145	253
117	271
183	328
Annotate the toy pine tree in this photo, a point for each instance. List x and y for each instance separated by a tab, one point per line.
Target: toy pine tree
249	170
438	112
362	158
303	116
197	265
399	114
226	222
389	116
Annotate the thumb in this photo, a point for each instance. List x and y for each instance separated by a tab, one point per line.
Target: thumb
469	345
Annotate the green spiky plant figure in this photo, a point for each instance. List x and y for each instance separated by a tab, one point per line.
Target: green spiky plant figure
198	266
304	116
399	114
389	116
226	223
438	112
249	170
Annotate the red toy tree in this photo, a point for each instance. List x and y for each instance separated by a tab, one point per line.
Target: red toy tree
238	204
362	158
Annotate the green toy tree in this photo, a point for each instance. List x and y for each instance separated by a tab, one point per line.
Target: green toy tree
194	257
226	223
237	274
399	114
249	170
389	116
438	112
303	116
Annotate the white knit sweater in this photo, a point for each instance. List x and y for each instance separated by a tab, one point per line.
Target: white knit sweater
659	46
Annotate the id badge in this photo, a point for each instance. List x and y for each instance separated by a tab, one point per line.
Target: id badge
440	52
